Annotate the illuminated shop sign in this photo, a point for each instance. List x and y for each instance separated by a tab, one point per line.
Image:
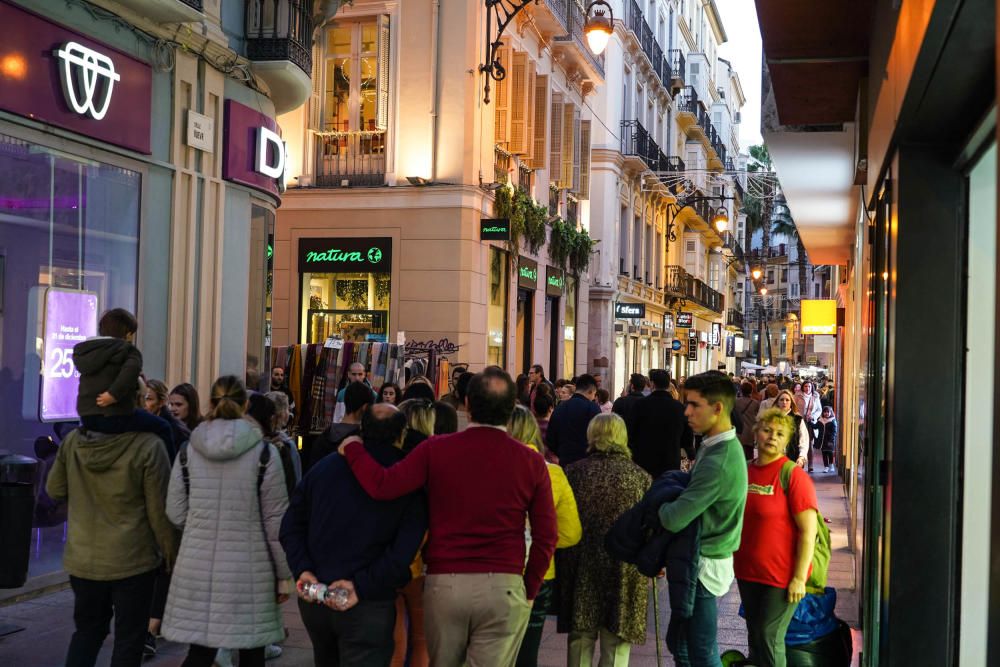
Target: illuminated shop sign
253	153
355	254
685	320
630	311
494	229
819	316
693	346
527	273
716	338
60	77
555	281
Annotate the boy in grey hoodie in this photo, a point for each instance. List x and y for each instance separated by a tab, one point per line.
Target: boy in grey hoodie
109	367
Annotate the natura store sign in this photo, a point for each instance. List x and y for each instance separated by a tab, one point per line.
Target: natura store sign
58	76
360	254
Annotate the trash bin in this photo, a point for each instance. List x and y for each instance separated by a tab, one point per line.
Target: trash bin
17	507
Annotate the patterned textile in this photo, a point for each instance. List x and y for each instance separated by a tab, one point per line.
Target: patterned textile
597	591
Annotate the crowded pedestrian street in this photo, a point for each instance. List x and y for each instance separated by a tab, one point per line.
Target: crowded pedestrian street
499	333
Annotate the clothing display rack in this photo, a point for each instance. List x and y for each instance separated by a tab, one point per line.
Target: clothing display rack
316	371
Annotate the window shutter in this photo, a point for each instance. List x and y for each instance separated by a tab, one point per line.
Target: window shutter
576	150
569	135
521	111
555	144
316	98
539	153
501	132
695	70
382	103
584	190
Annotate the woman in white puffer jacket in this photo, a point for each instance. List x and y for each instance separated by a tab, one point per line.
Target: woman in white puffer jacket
227	492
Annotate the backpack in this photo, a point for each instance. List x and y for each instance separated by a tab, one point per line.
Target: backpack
816	583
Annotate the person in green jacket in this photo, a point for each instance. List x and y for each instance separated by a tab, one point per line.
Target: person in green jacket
716	494
118	535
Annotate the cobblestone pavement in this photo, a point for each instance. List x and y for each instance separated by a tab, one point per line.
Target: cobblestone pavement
48	619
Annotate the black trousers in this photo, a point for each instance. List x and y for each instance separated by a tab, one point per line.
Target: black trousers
204	656
527	656
768	615
94	605
358	637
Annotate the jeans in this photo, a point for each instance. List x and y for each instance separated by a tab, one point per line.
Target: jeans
204	656
358	637
95	603
768	614
527	655
692	641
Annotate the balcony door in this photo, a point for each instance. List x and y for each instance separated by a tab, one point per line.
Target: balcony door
352	130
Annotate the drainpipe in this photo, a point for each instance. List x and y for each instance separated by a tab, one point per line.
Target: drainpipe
435	30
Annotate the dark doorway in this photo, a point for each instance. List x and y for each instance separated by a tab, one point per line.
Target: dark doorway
523	332
553	327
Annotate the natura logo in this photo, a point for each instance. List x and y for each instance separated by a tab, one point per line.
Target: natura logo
88	79
374	255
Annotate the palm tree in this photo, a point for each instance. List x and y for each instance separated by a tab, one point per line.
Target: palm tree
784	225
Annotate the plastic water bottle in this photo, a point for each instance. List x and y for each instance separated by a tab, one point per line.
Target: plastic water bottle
320	593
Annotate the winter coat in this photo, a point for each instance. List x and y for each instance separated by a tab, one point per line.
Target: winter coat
107	365
567	431
327	443
223	591
178	430
747	409
597	591
638	537
826	436
115	486
657	429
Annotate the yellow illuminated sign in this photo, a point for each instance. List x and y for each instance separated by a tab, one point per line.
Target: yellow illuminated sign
819	316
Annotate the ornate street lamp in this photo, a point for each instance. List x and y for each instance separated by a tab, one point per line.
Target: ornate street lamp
721	220
597	29
756	273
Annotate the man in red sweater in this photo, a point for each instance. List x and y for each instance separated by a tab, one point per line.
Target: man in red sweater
481	487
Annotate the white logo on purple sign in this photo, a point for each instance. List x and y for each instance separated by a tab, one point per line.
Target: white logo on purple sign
82	73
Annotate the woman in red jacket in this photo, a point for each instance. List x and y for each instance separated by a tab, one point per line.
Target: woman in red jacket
776	546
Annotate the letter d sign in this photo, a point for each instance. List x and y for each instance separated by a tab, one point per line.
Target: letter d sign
275	167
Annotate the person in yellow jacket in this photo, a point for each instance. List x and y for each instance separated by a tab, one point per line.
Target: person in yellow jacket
523	428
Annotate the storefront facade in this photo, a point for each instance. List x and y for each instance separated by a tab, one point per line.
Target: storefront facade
114	195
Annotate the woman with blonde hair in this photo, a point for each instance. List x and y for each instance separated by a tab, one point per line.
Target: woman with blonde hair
231	572
420	421
778	538
798	445
602	598
524	428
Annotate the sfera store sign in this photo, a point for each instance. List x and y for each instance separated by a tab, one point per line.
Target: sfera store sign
685	320
357	254
630	311
55	75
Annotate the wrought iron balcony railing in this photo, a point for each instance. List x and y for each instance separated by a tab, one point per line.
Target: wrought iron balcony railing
636	141
350	159
682	284
501	165
280	30
734	318
677	65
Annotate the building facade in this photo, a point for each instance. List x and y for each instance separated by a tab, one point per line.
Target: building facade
477	212
665	271
131	180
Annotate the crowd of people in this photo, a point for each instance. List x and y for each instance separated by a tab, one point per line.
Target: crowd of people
422	530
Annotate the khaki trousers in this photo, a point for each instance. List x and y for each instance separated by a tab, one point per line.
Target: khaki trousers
614	650
474	619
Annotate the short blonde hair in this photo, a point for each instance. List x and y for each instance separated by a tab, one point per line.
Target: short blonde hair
606	433
524	428
420	415
776	416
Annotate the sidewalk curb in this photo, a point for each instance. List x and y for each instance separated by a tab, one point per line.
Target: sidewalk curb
36	587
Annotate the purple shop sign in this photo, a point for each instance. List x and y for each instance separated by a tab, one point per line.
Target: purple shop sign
70	317
55	75
253	153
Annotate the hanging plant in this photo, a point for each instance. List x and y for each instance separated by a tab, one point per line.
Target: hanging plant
535	216
560	242
504	206
579	258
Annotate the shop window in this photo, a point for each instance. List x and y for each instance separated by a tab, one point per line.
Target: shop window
496	334
346	288
569	329
67	223
259	302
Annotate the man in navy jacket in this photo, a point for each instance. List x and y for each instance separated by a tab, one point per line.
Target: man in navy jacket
335	533
567	431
